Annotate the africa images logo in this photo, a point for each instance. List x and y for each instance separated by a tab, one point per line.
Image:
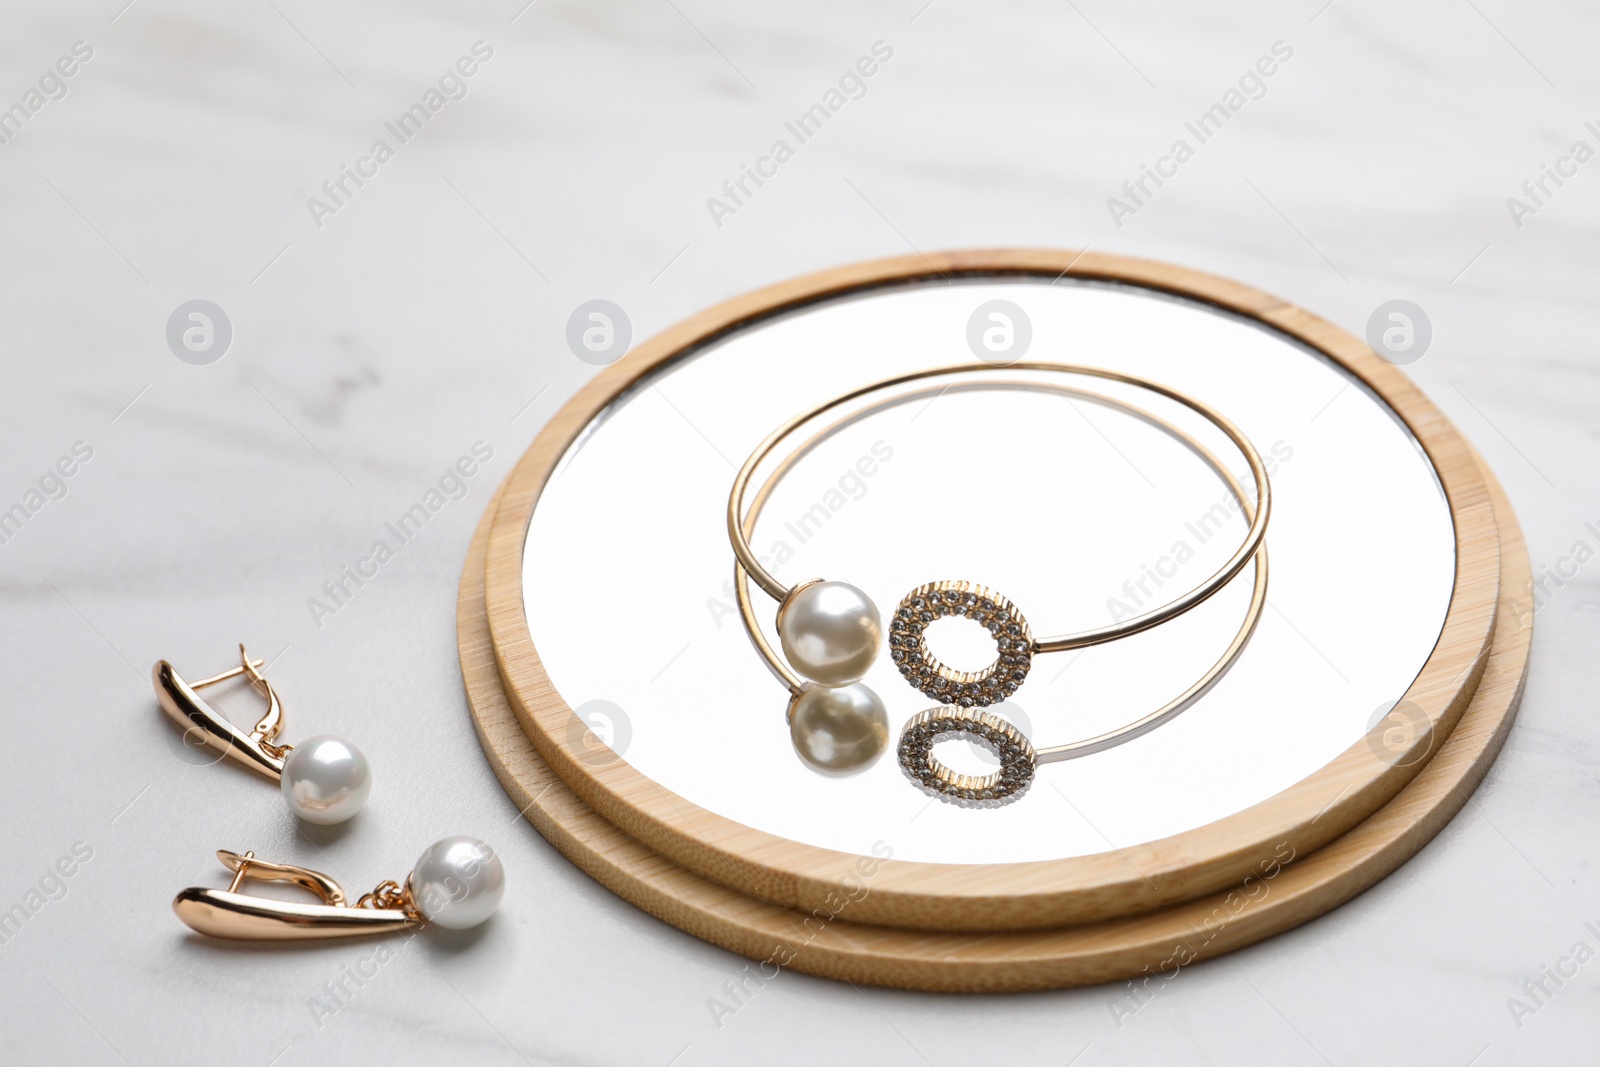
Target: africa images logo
338	191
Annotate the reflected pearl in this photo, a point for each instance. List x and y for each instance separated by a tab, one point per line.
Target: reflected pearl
830	632
839	731
457	883
326	780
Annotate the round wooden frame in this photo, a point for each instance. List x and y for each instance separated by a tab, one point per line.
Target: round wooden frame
1013	896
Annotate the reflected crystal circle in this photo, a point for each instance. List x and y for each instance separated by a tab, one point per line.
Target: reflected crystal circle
927	604
1010	745
839	731
830	632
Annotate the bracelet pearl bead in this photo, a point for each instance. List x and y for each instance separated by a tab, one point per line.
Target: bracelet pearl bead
830	632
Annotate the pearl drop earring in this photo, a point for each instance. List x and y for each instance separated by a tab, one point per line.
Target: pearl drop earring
325	779
457	883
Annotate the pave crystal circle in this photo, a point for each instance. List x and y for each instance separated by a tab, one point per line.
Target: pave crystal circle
937	600
1010	745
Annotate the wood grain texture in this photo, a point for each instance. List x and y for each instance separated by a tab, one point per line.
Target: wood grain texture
1149	947
1008	896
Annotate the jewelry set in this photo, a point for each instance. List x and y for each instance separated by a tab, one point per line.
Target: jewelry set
831	632
457	883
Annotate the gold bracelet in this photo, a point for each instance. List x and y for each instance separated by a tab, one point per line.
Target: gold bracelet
849	719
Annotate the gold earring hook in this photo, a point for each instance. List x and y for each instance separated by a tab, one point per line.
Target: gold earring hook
232	914
185	706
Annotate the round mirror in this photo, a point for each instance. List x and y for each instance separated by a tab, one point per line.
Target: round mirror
1078	513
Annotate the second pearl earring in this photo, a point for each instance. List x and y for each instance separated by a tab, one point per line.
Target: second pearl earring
325	779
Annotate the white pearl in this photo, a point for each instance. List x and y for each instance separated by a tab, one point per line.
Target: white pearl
326	780
457	883
839	731
830	632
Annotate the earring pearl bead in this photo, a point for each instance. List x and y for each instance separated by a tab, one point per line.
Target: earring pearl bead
326	780
839	731
830	632
457	883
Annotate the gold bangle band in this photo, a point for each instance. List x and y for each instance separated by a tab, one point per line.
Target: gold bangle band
1019	757
1258	526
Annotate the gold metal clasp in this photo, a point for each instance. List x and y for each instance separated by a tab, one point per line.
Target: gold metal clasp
255	749
232	914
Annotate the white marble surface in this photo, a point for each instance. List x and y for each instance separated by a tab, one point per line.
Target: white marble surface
428	314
